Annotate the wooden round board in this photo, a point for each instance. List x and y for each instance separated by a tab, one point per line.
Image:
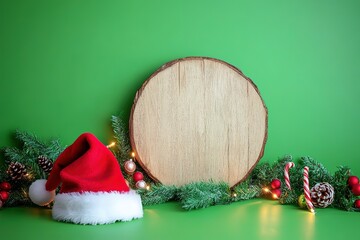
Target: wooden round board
198	119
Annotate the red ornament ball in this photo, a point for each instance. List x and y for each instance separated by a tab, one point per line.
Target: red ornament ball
275	184
357	203
276	193
130	166
352	180
138	176
356	190
4	196
5	186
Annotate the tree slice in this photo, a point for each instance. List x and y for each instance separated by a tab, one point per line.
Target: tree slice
198	119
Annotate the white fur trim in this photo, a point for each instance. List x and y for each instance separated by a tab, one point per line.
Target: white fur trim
97	207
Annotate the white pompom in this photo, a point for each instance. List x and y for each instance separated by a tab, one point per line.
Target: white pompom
38	193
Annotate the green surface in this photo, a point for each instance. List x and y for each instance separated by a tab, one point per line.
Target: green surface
252	219
67	66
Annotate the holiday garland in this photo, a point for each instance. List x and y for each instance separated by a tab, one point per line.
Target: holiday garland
33	158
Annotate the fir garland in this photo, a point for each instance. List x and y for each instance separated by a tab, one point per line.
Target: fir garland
29	148
191	196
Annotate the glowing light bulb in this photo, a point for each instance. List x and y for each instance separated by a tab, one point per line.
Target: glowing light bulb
147	187
111	145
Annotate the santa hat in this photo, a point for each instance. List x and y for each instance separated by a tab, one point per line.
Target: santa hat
93	189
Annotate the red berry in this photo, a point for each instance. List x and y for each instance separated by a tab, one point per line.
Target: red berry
275	184
357	203
276	193
352	180
138	176
4	196
5	186
356	190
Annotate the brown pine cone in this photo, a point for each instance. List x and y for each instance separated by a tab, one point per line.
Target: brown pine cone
322	194
45	164
16	171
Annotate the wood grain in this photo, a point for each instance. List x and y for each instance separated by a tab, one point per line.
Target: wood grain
198	119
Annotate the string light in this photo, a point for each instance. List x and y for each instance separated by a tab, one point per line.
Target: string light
147	187
111	145
273	195
133	154
234	194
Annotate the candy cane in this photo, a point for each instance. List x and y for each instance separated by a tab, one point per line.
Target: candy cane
309	204
286	173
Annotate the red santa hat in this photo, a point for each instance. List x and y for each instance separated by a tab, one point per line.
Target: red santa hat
93	189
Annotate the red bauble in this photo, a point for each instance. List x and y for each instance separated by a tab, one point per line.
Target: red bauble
276	193
352	180
4	196
357	203
138	176
275	184
356	190
5	186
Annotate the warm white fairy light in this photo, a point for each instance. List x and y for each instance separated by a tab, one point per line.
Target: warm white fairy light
147	187
111	145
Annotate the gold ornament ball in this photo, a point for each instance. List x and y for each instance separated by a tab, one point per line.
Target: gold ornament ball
130	166
140	184
302	201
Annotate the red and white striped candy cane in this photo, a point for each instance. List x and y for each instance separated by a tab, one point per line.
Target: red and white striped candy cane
309	204
286	173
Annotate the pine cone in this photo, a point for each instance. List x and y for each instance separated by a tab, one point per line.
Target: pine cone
45	164
322	194
16	171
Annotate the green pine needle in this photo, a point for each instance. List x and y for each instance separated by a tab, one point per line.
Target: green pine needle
245	191
204	194
158	193
121	135
30	148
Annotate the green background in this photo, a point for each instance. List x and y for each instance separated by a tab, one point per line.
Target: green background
249	220
67	66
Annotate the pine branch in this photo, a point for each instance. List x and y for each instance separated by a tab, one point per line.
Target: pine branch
121	136
158	193
31	144
344	198
13	154
317	171
245	191
27	154
19	197
204	194
260	175
289	197
123	148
